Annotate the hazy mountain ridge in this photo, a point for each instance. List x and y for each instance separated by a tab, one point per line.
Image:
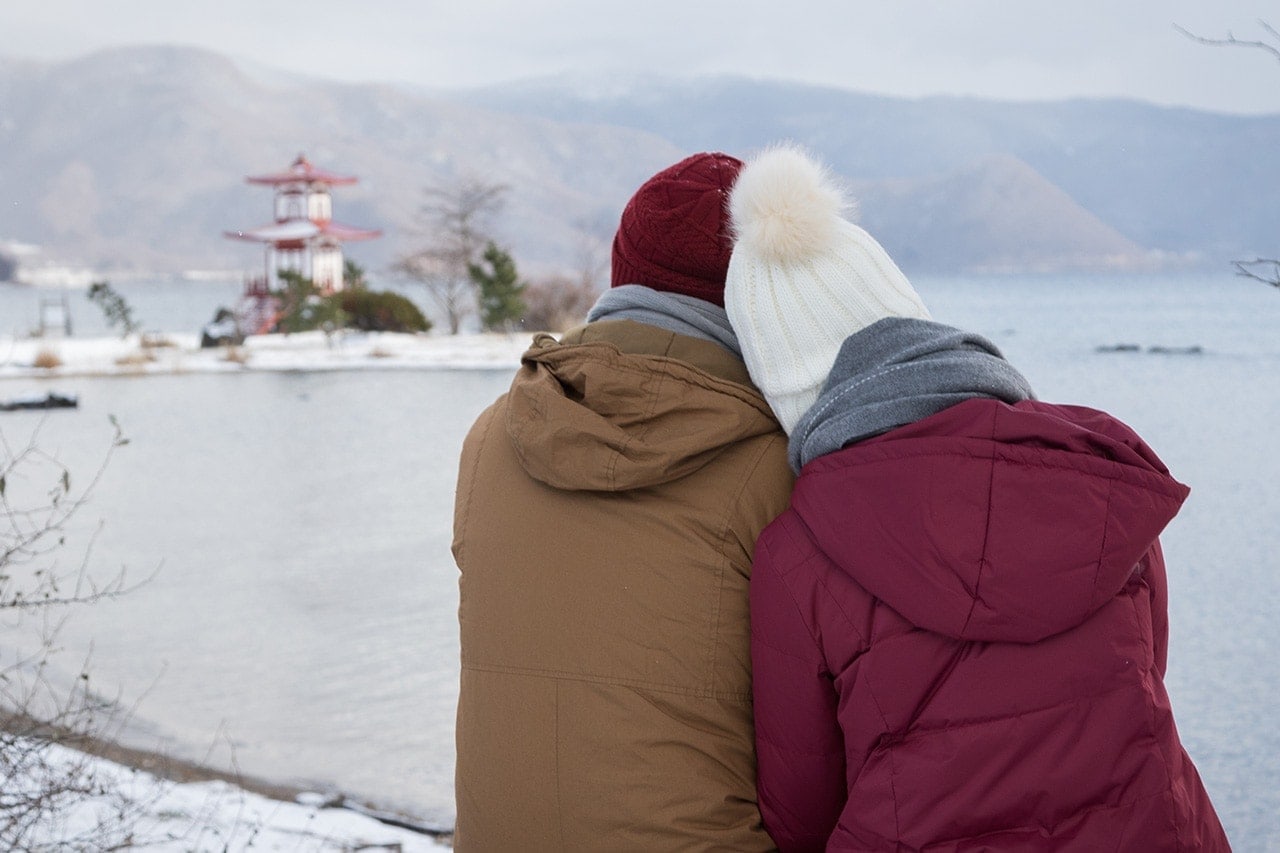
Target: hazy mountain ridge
996	215
1175	180
134	159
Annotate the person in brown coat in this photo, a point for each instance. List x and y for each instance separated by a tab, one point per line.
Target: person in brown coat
606	515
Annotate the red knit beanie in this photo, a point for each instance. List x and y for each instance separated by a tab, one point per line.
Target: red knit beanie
674	234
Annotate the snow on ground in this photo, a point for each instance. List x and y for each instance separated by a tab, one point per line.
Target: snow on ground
208	816
181	353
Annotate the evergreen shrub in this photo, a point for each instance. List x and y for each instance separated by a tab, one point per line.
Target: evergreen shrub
381	311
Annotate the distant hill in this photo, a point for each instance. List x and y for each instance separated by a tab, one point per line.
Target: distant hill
997	214
134	159
1174	180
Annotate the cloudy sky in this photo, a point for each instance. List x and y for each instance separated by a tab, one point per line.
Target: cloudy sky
1007	49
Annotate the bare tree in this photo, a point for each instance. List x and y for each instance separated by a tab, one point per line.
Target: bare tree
41	712
555	302
457	219
1265	270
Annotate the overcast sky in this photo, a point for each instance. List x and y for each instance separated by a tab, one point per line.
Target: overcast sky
1006	49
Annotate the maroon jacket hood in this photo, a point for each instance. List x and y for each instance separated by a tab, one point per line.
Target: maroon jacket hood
990	521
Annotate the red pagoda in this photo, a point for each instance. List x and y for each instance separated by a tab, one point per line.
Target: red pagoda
304	238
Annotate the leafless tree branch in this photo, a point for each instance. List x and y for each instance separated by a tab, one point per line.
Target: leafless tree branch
455	219
42	711
1265	270
1231	41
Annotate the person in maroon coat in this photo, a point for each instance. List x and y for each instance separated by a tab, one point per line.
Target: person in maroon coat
959	626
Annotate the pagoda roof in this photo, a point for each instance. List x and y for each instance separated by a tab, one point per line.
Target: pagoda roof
302	171
303	229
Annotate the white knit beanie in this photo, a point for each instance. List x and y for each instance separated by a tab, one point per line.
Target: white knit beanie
802	278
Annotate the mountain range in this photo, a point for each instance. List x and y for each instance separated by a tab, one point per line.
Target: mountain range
132	161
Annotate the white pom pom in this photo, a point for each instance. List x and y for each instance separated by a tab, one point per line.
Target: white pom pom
785	206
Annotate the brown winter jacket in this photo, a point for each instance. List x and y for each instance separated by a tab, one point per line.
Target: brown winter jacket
606	515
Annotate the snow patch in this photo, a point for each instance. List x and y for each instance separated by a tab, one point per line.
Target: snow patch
172	353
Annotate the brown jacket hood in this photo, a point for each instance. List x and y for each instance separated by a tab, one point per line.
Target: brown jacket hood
586	415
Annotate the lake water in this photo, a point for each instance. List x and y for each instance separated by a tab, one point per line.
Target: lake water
302	618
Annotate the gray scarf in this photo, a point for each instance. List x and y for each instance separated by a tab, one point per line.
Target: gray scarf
675	312
897	371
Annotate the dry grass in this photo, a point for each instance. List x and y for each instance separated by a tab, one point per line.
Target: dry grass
379	352
155	340
47	359
235	355
135	359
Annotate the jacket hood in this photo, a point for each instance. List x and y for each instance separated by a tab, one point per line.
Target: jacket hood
990	521
620	405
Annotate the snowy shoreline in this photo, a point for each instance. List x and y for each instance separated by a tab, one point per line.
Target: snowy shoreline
168	805
178	353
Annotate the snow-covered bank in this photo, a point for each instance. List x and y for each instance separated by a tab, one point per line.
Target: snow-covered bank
181	353
160	815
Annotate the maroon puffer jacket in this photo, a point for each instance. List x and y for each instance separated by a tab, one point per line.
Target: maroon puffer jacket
959	638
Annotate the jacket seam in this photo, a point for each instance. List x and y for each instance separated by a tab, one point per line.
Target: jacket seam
537	672
893	782
1165	792
1036	829
918	731
986	533
1102	546
560	822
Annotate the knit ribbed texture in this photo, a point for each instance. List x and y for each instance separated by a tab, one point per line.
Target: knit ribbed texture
802	278
674	232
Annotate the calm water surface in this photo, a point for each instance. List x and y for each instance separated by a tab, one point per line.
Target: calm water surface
302	619
303	615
